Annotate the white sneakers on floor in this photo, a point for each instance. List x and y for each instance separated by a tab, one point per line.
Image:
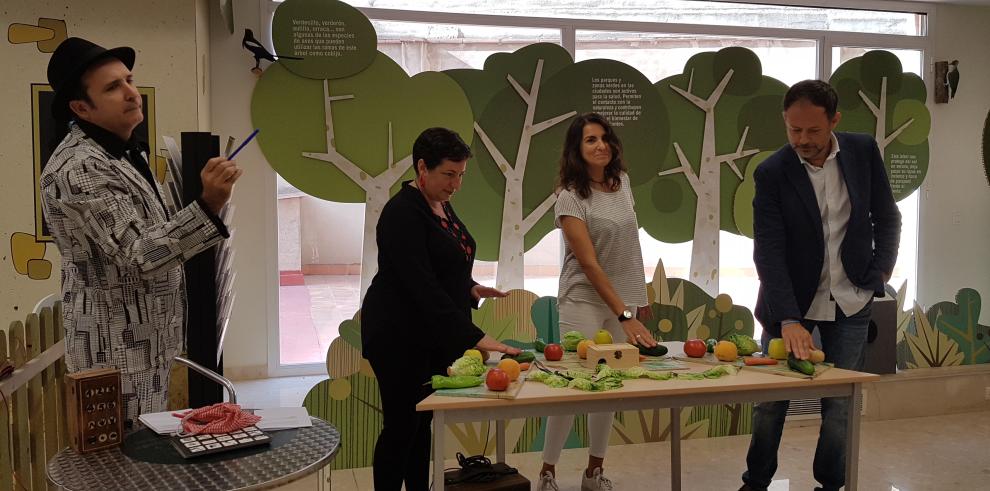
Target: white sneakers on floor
597	482
548	483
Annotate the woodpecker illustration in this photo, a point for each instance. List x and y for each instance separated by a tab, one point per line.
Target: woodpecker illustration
258	50
952	78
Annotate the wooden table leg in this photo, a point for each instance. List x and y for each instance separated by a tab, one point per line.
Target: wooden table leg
500	440
852	438
675	448
438	465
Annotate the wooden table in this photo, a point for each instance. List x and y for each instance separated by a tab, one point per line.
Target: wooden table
536	399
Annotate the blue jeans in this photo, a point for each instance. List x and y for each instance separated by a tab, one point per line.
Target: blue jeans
844	343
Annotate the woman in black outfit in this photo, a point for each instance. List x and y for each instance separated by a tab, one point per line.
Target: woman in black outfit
416	316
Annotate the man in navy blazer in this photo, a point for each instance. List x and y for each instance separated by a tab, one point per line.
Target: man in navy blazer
826	231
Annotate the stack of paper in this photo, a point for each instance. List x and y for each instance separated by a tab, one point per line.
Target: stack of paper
281	418
163	423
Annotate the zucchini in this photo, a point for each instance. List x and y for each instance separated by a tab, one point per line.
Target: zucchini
803	366
539	344
658	350
524	357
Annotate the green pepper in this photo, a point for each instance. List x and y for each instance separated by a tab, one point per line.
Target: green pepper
455	382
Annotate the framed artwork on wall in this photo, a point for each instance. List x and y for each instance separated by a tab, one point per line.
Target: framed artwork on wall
43	129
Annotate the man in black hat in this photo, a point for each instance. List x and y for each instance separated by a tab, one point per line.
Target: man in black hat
122	247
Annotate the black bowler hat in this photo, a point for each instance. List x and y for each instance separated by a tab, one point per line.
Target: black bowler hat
68	63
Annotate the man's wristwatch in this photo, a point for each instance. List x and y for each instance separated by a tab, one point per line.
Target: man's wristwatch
625	315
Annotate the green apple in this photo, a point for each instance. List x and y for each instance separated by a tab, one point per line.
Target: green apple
603	337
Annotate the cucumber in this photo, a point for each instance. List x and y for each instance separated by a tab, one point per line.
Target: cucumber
658	350
539	344
524	357
803	366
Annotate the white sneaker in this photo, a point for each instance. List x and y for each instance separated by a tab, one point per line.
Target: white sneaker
597	482
548	483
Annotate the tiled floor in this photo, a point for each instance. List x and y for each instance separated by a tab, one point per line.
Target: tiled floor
939	453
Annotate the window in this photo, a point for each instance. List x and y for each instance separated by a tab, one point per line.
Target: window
681	12
320	269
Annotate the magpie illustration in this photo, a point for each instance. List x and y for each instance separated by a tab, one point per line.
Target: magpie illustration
952	78
258	50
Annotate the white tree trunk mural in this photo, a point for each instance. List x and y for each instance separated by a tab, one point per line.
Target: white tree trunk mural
376	188
707	187
880	112
514	225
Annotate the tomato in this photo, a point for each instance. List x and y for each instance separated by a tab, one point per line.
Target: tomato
695	348
497	380
553	352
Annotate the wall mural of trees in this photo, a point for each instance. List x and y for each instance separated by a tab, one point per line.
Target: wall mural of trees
339	125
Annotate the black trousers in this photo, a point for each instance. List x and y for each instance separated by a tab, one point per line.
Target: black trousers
402	453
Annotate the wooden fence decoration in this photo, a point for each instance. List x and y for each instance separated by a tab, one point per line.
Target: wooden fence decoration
32	415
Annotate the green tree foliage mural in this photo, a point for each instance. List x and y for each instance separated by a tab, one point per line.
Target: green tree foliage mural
350	140
726	111
522	102
878	98
340	123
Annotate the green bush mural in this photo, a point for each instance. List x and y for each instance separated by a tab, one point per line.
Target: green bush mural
948	333
960	321
682	311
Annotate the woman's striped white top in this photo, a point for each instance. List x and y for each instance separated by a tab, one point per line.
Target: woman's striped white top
614	232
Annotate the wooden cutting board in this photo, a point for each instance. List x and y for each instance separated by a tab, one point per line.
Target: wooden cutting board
483	392
570	361
779	369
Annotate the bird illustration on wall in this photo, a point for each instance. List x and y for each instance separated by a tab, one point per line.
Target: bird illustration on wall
259	51
952	78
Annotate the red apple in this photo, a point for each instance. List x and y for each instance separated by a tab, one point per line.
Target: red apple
553	352
695	348
497	380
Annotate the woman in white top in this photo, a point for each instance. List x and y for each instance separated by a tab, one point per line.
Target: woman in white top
602	282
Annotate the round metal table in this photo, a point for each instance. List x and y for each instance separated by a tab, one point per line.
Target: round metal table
302	453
